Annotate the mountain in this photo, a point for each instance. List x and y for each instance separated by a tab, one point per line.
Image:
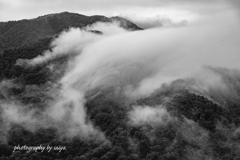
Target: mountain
26	39
174	122
14	34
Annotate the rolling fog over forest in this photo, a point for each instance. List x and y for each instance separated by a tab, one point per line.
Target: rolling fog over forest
120	80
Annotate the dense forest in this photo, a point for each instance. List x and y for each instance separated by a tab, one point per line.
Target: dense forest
195	127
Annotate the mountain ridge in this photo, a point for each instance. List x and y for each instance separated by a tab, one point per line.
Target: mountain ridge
14	34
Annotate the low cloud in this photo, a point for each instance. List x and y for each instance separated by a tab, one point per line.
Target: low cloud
73	41
155	21
65	111
146	115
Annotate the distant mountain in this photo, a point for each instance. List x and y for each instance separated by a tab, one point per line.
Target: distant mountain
26	39
15	34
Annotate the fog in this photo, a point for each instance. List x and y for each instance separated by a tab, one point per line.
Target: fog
139	62
145	115
133	65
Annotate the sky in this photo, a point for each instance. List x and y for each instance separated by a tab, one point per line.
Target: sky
156	12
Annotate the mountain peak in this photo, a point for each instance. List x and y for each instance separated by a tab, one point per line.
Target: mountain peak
24	32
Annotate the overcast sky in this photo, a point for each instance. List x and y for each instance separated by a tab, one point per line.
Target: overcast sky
155	11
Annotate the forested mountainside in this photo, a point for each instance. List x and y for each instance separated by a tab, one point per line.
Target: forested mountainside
200	129
26	39
180	124
15	34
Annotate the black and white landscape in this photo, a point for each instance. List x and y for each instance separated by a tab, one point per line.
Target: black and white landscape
120	80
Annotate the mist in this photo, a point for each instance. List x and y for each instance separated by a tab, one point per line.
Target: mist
140	62
133	65
142	115
72	41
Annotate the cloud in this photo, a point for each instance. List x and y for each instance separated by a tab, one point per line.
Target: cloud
73	41
155	21
140	62
146	115
65	113
61	46
137	63
15	113
66	109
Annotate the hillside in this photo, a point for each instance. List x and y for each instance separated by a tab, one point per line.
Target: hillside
26	39
26	32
